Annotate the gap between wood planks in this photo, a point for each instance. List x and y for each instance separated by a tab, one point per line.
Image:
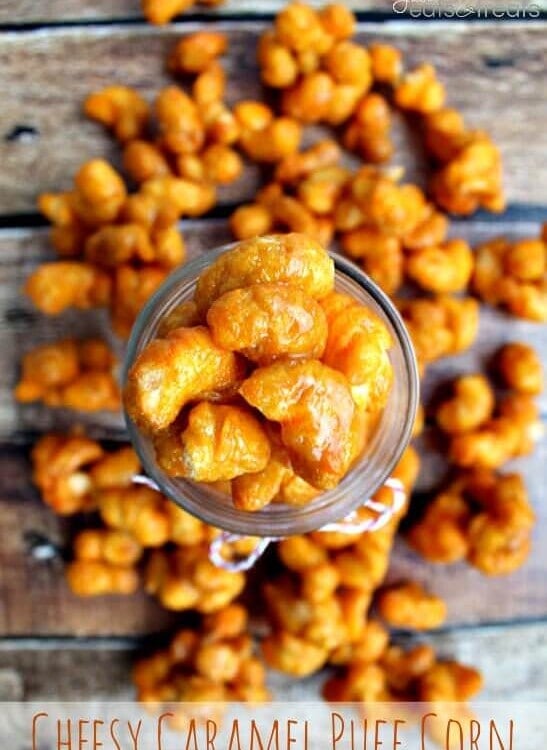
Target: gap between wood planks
142	642
510	659
471	597
236	18
45	137
514	214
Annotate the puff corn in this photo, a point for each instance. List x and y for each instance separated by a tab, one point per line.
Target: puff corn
311	369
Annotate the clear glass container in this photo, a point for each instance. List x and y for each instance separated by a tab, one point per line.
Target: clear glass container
368	473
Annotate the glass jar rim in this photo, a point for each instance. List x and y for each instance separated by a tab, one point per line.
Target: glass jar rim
329	506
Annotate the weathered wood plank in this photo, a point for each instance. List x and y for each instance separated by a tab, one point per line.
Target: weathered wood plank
28	11
34	597
510	658
492	72
50	609
22	327
470	596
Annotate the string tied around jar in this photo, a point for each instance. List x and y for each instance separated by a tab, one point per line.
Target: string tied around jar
351	524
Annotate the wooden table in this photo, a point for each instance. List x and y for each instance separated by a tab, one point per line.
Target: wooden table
51	55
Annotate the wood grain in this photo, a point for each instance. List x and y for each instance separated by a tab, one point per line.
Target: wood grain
34	598
510	658
29	11
50	609
22	327
493	74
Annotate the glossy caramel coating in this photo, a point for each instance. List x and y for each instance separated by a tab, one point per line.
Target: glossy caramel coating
358	346
220	442
265	322
170	372
314	405
292	258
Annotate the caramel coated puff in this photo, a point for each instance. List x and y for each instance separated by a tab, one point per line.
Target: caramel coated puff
181	129
364	683
275	141
358	344
182	196
54	287
314	405
137	509
131	289
298	27
213	662
482	516
520	368
380	256
114	245
255	490
121	109
265	322
374	198
408	605
431	230
292	168
115	469
61	472
320	190
309	100
291	259
441	536
420	91
143	161
277	482
99	578
185	578
512	275
278	66
441	325
219	443
47	367
293	655
491	444
348	62
316	620
449	681
99	193
337	20
170	372
162	11
442	269
499	536
472	179
471	404
251	220
195	52
403	668
209	86
112	546
386	62
368	132
444	133
295	491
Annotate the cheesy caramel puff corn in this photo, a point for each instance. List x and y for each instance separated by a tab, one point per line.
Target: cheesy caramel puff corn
267	379
74	374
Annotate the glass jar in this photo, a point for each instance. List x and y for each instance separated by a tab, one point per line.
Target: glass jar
368	473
